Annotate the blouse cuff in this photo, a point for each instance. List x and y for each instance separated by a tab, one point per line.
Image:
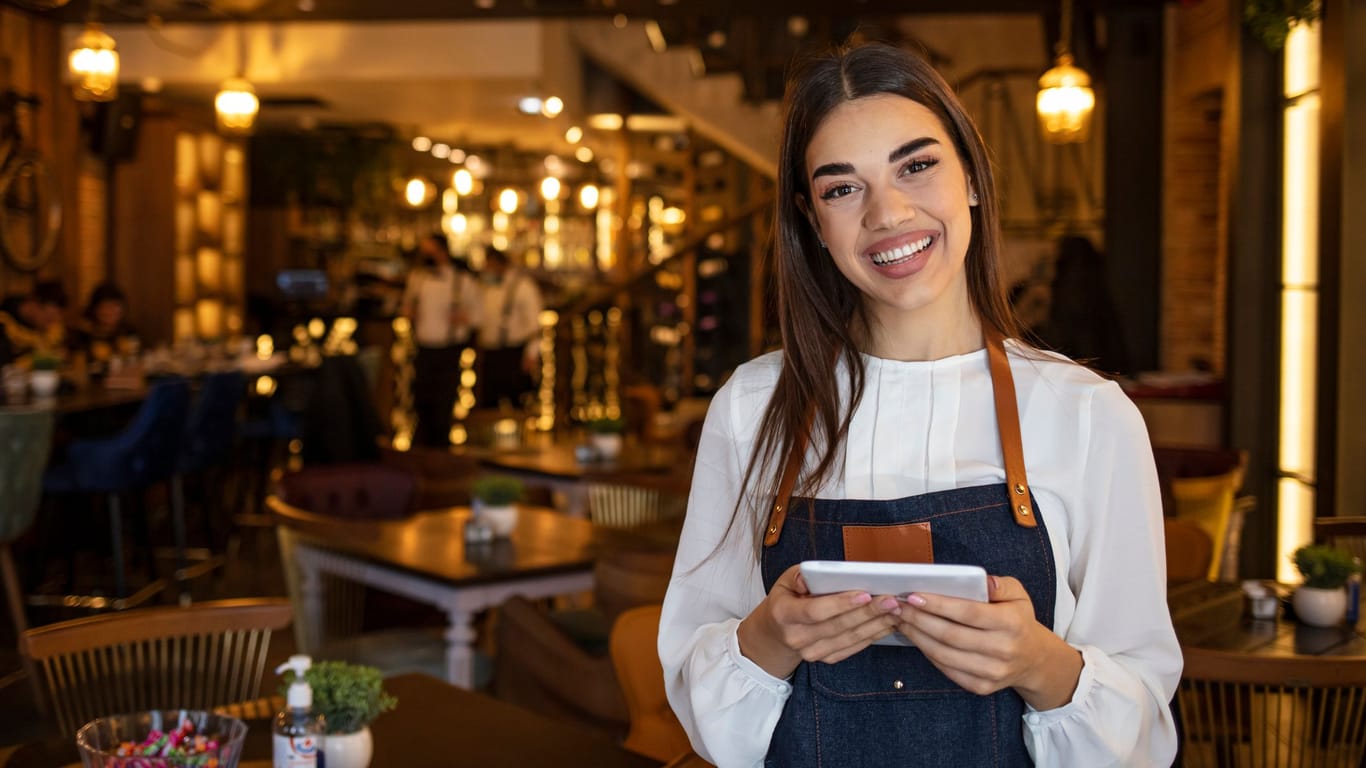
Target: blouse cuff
1035	718
774	685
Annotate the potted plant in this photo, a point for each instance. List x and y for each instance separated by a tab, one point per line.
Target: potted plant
349	697
606	435
43	377
1321	601
496	498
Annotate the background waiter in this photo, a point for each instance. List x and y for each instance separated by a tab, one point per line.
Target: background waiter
508	337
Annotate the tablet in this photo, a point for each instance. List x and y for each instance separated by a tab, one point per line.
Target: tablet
896	579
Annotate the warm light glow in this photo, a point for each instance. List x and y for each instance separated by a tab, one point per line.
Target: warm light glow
529	105
459	225
450	201
550	188
500	221
441	151
1065	103
583	155
1296	459
422	144
415	192
605	121
265	347
463	181
236	105
552	225
672	216
552	106
507	201
94	66
574	135
588	196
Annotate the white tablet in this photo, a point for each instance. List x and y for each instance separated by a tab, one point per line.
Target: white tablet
896	579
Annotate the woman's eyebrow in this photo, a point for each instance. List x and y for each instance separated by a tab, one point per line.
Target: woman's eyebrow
911	147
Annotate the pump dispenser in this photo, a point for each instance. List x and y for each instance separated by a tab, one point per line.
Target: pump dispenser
298	740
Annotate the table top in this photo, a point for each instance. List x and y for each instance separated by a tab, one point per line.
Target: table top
1210	616
557	460
435	724
77	401
432	545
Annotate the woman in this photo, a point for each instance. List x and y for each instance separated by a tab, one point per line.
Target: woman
888	250
103	331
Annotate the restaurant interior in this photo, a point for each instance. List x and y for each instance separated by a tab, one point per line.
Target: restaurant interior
242	461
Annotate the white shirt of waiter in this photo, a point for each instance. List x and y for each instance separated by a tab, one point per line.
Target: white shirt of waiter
443	304
512	312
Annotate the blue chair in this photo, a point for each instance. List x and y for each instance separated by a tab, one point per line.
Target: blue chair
145	453
25	440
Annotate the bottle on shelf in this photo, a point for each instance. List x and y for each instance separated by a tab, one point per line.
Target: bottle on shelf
298	739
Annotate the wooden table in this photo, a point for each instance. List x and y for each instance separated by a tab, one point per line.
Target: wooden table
425	558
91	398
1209	616
555	465
435	724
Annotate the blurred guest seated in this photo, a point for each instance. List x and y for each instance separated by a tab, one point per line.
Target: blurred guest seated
32	322
103	332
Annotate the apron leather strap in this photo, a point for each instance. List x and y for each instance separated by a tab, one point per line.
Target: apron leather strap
1007	426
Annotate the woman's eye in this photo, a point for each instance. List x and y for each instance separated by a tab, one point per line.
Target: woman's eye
838	190
922	164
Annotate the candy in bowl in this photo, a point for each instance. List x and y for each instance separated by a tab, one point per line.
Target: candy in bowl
171	738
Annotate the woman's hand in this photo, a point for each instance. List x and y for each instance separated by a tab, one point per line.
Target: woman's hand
791	625
985	647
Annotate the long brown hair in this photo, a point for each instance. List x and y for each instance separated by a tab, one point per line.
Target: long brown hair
816	303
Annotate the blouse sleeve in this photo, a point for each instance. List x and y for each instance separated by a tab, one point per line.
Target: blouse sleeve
1119	714
728	705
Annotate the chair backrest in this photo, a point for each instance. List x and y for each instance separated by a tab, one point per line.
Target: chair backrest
147	451
1300	710
655	731
211	428
625	578
198	657
1344	532
621	505
364	491
1199	485
25	441
1189	550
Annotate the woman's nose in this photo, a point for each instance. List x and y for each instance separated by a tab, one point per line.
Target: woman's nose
887	208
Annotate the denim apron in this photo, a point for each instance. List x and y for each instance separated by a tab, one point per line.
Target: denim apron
888	705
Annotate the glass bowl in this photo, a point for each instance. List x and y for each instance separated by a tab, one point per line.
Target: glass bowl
104	742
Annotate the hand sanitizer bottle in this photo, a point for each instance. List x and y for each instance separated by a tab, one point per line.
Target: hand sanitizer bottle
298	740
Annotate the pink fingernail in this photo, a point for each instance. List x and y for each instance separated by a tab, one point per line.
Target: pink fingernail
887	604
915	599
995	583
863	598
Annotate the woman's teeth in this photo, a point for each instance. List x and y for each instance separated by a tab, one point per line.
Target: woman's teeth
898	255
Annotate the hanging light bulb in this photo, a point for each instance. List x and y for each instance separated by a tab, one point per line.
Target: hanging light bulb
463	181
236	105
550	188
1065	101
94	65
507	201
588	196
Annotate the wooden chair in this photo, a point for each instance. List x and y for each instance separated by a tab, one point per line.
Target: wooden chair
629	506
1347	533
654	731
1189	550
1201	485
200	657
1240	710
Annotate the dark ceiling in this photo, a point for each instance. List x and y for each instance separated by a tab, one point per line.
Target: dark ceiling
376	10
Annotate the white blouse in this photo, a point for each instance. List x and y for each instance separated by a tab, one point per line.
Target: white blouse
931	426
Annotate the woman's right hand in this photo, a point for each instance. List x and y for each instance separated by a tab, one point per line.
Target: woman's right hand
791	625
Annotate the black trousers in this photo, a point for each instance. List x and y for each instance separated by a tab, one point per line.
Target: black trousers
436	381
502	377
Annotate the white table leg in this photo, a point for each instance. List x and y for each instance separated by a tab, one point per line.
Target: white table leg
460	636
312	598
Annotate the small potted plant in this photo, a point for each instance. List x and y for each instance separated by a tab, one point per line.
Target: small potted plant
606	435
1321	601
349	697
496	498
43	377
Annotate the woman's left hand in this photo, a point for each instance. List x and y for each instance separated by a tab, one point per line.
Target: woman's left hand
985	647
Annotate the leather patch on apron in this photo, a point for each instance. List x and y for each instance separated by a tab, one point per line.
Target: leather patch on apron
905	543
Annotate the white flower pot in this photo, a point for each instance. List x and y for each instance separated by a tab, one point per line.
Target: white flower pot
349	750
1320	607
608	445
501	520
44	383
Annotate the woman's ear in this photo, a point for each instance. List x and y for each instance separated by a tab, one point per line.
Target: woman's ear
973	199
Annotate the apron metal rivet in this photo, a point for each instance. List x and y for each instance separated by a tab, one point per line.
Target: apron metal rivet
1024	511
777	507
773	529
897	684
1019	488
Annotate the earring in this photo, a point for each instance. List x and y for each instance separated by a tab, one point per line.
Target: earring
972	199
823	248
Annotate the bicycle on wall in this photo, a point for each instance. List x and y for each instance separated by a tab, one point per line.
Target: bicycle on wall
30	202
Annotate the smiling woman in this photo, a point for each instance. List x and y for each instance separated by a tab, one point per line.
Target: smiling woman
912	448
